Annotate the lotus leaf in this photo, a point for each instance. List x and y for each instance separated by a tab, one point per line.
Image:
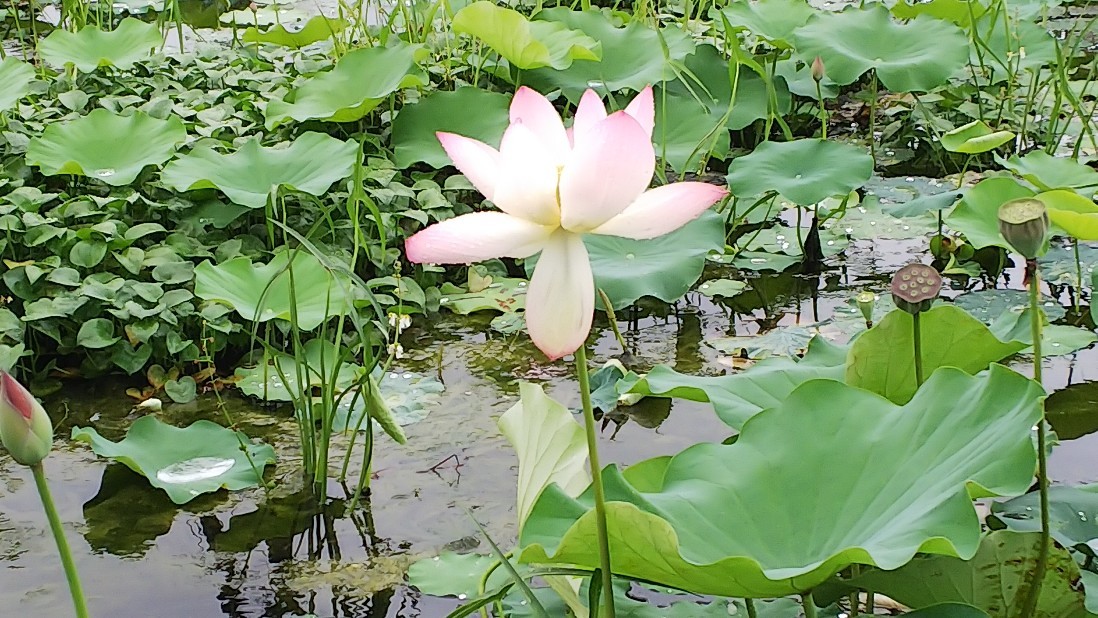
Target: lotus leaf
996	579
773	20
741	396
525	44
882	359
990	305
316	29
1073	516
956	11
856	40
726	288
506	295
16	77
251	175
1047	172
974	138
1076	215
784	341
550	447
415	126
804	171
76	147
1001	55
686	132
408	399
92	47
358	83
1070	411
705	520
633	57
202	458
977	214
262	292
322	366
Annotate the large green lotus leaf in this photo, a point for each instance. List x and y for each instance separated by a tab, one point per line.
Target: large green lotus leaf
686	132
856	40
525	44
76	147
740	396
202	458
262	292
1073	213
1073	516
804	171
91	48
707	82
974	138
633	56
16	77
550	445
1003	59
415	126
1047	172
773	20
882	359
995	580
360	81
316	29
977	214
252	174
705	520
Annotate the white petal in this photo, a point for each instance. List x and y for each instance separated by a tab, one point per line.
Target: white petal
610	167
588	114
477	160
527	184
560	302
476	237
643	109
662	210
530	108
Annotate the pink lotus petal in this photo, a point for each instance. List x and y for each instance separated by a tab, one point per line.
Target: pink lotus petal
610	167
662	210
532	109
588	114
477	160
476	237
527	184
560	301
642	108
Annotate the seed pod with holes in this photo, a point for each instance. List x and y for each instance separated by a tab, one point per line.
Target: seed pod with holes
915	286
1024	224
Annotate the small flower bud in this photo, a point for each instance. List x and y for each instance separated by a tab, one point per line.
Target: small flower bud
25	428
915	286
1024	224
817	69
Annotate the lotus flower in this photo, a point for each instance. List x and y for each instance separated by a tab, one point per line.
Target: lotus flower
553	185
25	428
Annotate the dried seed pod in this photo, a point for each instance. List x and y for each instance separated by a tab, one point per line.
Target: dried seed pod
915	286
1024	224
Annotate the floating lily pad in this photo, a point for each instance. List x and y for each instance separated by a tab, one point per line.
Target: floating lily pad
804	171
409	397
415	126
856	40
319	28
16	77
726	288
92	47
705	520
1073	516
185	463
525	44
1073	411
262	292
76	147
989	305
253	174
781	341
504	294
870	221
359	82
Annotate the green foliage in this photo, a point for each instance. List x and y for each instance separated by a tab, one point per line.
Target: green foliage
805	171
91	47
16	77
525	44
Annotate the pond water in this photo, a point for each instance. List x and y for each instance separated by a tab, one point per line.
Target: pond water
249	555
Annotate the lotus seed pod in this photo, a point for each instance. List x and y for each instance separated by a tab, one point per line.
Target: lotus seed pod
865	301
1024	224
915	286
817	69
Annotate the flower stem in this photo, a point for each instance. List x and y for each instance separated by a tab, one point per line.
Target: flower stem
1034	278
823	112
596	481
809	605
918	337
59	537
751	611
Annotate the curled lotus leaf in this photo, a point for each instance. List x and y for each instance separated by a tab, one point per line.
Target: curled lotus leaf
77	147
316	29
705	520
16	78
92	47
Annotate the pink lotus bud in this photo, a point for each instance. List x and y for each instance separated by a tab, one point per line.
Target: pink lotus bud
817	69
25	428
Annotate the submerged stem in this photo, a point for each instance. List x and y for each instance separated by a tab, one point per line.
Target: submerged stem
596	482
1034	278
918	337
62	544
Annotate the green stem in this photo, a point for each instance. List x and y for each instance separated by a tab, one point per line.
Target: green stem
596	481
873	118
1078	275
809	605
751	611
1034	277
59	537
823	112
918	336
